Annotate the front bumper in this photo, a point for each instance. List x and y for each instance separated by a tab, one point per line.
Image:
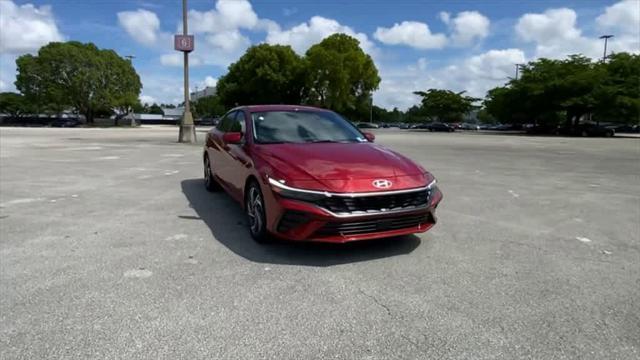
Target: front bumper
302	221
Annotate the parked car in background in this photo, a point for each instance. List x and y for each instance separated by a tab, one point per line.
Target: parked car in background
368	125
65	122
541	129
404	126
209	121
587	130
629	129
469	126
442	127
422	126
305	173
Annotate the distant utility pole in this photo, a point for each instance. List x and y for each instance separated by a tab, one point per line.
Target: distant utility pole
371	111
518	70
185	44
606	38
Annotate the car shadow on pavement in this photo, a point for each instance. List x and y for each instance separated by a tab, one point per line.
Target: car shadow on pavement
228	225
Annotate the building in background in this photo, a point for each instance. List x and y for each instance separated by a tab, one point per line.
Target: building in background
207	91
174	114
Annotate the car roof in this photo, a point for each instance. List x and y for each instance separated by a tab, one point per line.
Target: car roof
278	107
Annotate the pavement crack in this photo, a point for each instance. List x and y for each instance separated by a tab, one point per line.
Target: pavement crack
375	300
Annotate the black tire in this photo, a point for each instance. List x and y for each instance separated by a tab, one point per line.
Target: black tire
210	182
256	214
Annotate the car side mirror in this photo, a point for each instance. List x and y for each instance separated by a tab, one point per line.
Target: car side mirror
232	137
369	136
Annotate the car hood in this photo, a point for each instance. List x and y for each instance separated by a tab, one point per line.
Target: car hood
342	167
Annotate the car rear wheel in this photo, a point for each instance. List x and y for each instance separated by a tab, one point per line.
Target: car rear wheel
209	182
256	213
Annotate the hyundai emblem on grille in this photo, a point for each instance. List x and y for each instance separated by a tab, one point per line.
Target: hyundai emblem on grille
382	183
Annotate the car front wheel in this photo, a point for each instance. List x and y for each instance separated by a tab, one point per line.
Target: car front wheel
256	213
209	182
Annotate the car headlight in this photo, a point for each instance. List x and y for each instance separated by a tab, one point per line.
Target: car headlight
298	194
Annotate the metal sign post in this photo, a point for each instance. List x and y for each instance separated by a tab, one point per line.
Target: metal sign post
185	43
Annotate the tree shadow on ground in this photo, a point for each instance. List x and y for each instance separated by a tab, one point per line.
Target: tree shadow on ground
228	225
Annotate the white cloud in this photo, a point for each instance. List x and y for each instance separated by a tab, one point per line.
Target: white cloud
146	99
162	87
551	25
301	37
25	28
556	34
228	15
142	25
218	40
230	42
410	33
623	16
468	26
475	75
445	17
209	81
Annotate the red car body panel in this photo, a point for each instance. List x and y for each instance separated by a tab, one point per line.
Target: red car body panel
327	167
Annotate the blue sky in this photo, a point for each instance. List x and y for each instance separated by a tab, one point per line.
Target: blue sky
416	45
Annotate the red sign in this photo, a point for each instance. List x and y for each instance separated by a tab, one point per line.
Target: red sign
183	43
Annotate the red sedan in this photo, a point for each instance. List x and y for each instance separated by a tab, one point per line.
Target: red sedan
304	173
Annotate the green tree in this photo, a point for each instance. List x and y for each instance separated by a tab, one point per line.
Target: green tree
619	92
570	89
264	74
340	76
209	106
15	105
414	114
155	109
78	75
445	105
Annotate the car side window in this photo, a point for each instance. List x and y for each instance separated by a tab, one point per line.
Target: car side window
226	122
238	123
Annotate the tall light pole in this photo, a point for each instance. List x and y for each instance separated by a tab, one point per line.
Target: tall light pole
606	38
371	110
185	44
518	70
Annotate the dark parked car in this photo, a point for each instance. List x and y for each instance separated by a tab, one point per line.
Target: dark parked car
436	126
367	125
304	173
62	122
587	130
542	129
629	129
209	121
469	126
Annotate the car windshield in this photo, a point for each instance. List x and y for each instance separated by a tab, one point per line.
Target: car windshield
272	127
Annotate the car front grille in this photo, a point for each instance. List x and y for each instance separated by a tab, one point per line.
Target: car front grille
397	222
377	203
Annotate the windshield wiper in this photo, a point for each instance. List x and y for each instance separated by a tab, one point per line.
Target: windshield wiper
276	142
330	141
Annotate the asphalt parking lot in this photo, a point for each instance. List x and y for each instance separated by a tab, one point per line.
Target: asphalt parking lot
111	248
